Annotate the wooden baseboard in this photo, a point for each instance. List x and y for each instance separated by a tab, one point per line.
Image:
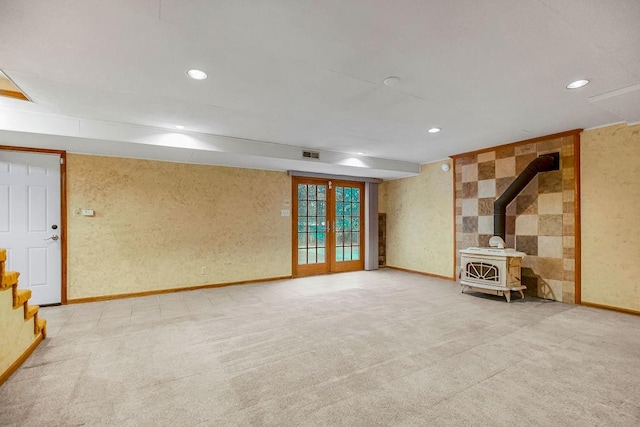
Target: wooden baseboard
20	360
610	307
171	290
422	273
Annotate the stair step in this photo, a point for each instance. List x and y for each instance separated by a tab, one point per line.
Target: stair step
40	325
30	311
9	279
21	296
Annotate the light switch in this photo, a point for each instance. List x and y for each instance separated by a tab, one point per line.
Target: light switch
88	212
285	212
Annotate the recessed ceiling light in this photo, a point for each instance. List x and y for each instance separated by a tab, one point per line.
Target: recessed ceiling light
577	84
197	74
434	130
179	126
391	81
360	153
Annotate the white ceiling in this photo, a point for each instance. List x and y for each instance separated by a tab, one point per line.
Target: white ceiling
309	74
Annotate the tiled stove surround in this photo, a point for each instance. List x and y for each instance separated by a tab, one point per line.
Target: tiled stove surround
541	219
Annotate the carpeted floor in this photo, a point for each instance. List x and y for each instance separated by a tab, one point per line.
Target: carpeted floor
353	349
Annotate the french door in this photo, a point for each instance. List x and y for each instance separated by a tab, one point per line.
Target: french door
328	225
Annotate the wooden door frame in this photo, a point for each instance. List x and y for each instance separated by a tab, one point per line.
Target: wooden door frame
321	269
330	262
63	209
360	262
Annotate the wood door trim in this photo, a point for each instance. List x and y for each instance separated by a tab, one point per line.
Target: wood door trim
63	225
294	227
455	237
577	231
329	177
63	209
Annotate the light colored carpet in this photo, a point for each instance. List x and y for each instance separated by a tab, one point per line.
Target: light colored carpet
354	349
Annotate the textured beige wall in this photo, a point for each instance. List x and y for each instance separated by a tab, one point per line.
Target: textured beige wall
610	209
16	334
157	224
382	197
420	221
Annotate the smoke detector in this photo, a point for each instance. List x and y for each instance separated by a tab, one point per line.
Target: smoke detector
391	81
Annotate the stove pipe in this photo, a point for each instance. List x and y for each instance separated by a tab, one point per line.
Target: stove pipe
544	163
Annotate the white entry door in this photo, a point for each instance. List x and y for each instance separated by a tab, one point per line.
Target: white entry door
30	227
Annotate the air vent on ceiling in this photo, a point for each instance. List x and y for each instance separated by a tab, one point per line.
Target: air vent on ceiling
311	154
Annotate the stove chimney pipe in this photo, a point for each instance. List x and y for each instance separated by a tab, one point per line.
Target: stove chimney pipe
544	163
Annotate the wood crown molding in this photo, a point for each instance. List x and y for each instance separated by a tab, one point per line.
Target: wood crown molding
13	94
514	144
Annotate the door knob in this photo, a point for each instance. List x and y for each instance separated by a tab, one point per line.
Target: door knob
54	237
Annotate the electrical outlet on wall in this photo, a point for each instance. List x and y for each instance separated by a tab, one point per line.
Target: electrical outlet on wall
203	271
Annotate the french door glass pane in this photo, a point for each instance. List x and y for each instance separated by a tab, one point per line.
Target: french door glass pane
302	192
347	224
312	223
302	256
322	192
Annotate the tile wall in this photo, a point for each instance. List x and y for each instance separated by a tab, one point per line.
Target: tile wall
540	220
